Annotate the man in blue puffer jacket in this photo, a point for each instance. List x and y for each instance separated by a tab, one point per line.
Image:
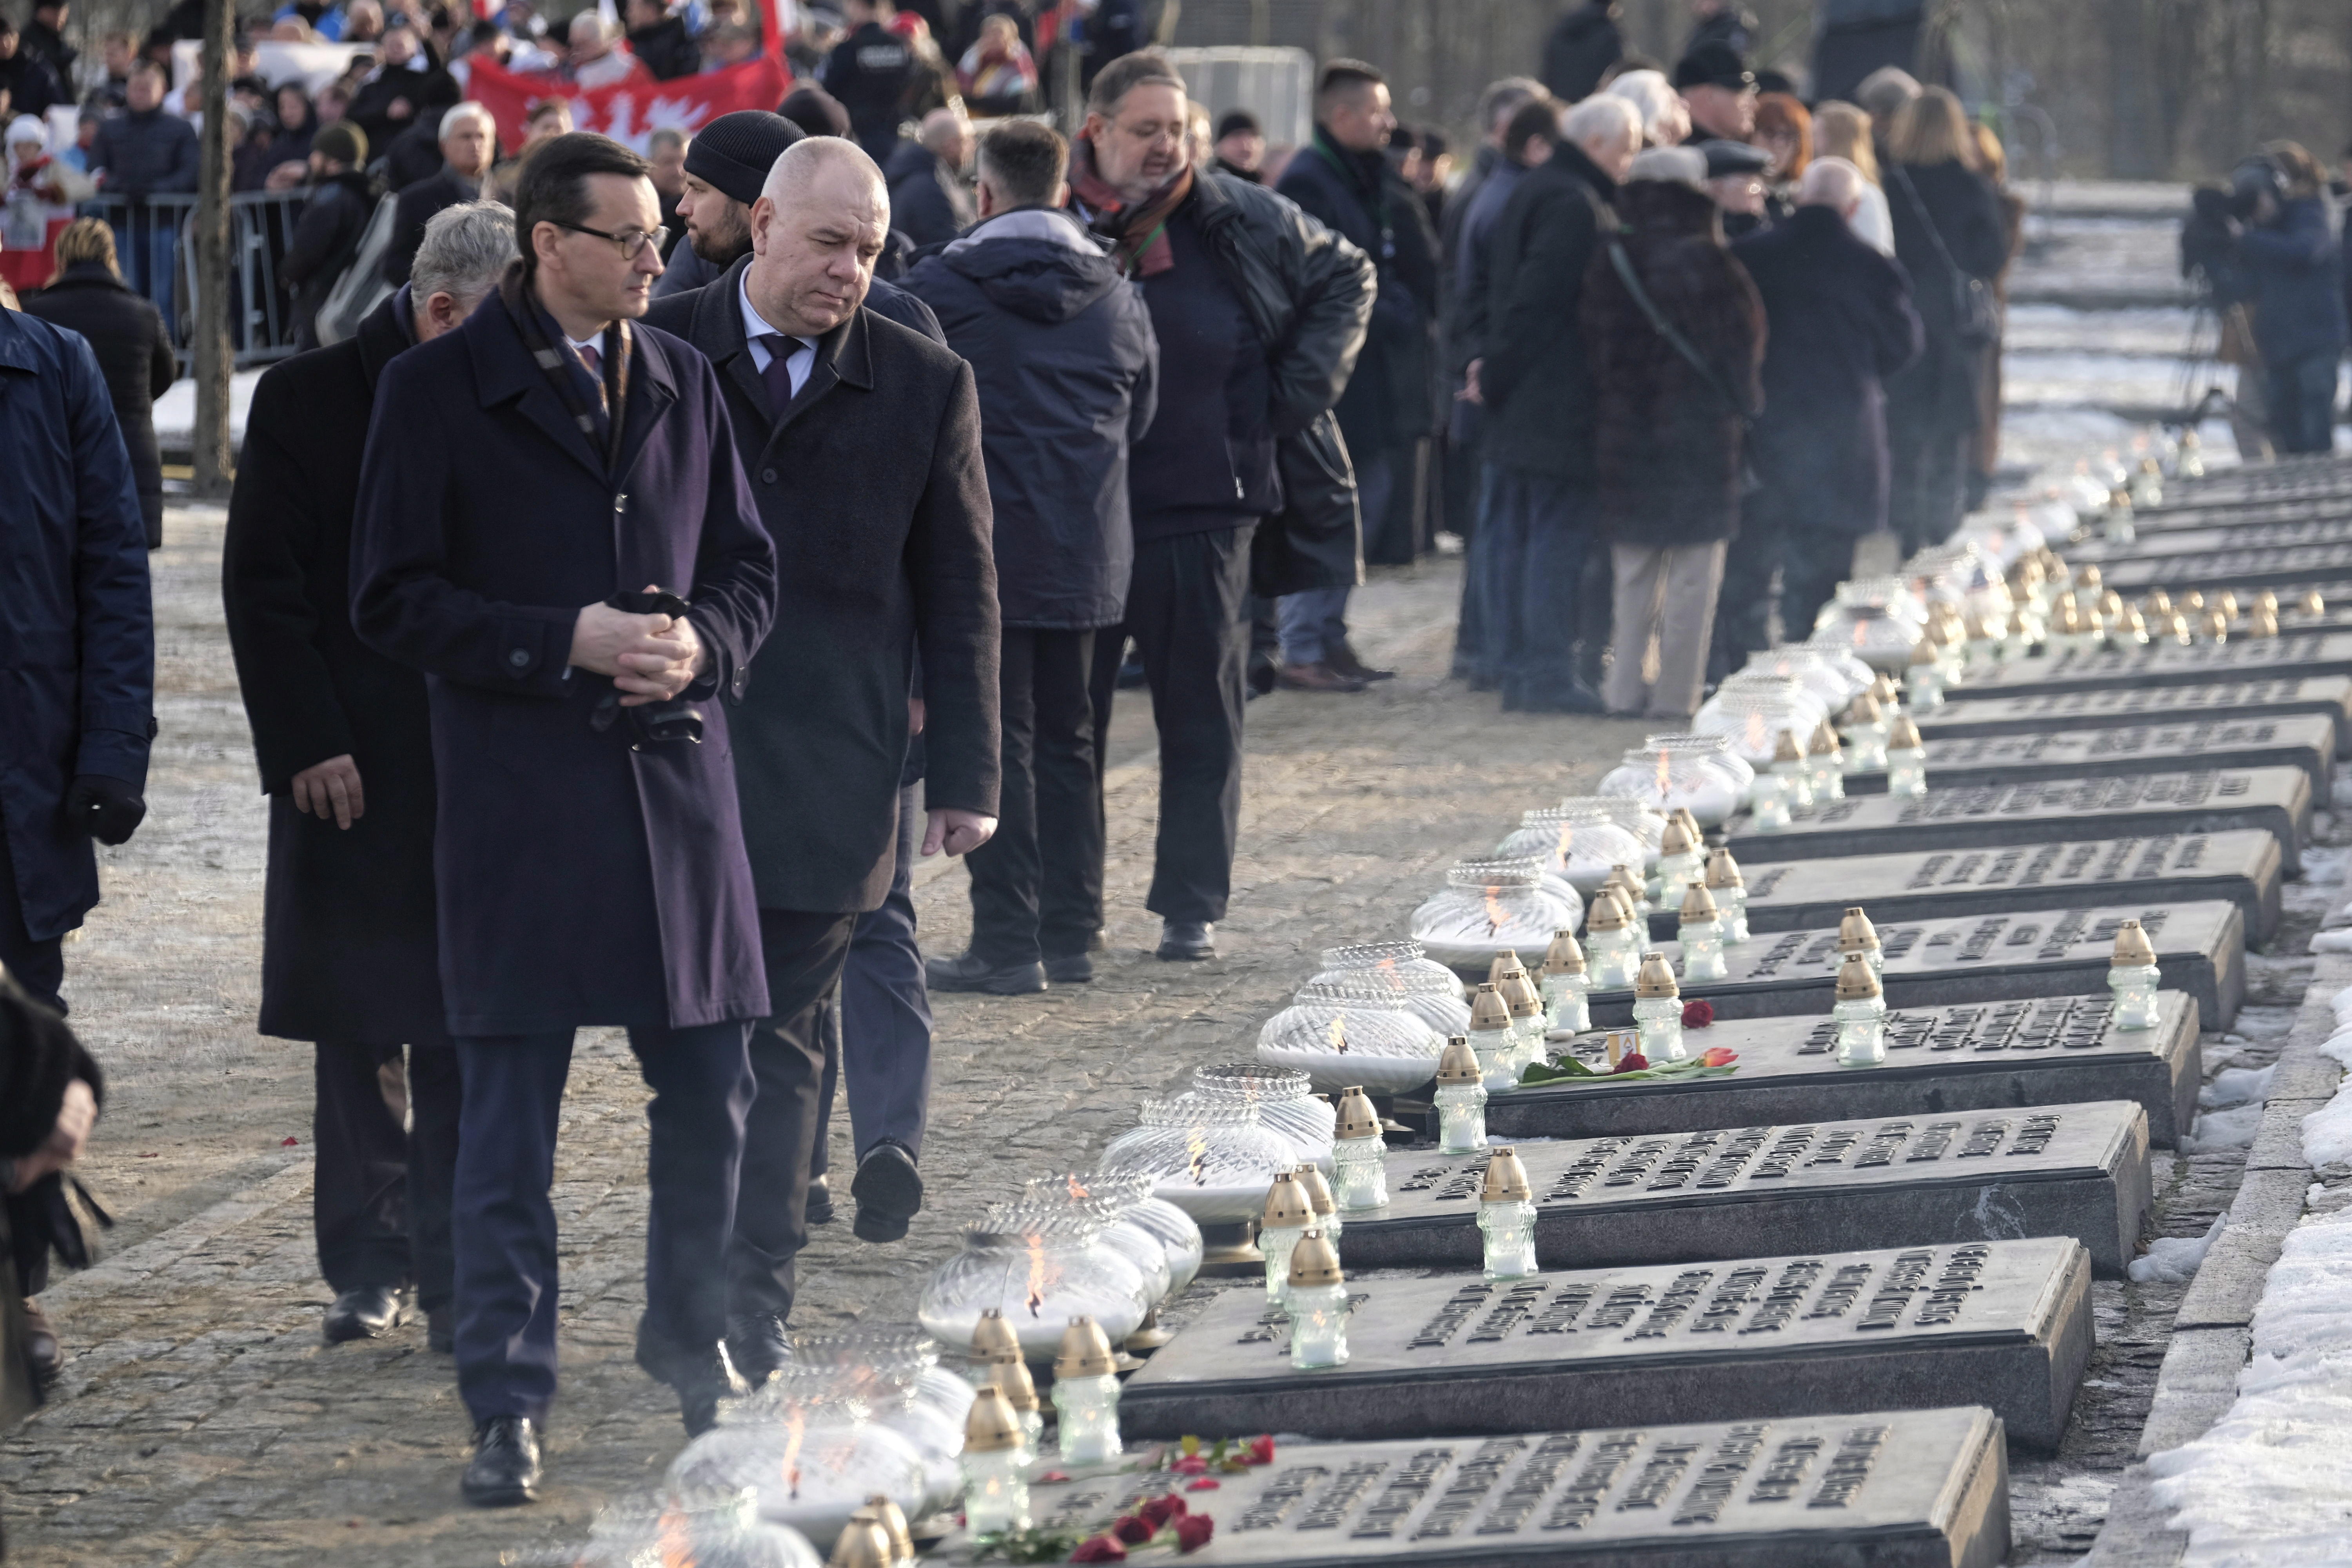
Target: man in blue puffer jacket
2295	267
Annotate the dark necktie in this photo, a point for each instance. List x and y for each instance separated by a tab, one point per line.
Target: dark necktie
779	375
594	358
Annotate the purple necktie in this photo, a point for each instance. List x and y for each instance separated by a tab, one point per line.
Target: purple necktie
779	375
595	360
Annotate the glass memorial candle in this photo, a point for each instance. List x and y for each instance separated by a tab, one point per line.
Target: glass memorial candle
1826	762
1795	774
1288	1216
1318	1306
1860	1014
1319	1199
1357	1154
1865	735
1923	680
1567	986
1681	858
1507	1218
995	1466
1614	947
1492	1040
1730	893
1461	1101
2131	976
1856	934
1631	892
2115	525
1528	1029
1658	1010
1086	1394
1020	1390
1907	759
993	1344
1700	936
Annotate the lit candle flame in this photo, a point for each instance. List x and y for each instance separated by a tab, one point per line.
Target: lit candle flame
1337	1031
1199	1165
675	1546
796	1425
1666	760
1037	1275
1496	916
1076	1189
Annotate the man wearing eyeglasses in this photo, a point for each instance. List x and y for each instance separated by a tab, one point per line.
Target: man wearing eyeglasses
541	489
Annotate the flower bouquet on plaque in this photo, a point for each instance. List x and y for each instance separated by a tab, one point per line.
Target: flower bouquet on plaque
1633	1068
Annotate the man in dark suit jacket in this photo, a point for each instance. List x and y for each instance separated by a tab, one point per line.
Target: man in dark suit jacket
541	487
341	732
862	441
468	137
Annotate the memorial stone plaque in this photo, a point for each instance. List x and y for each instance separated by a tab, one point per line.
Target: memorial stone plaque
2306	740
1727	1191
2276	801
2009	1323
2163	664
2119	707
2158	544
2161	519
2200	948
2232	568
2242	865
1973	1056
1897	1489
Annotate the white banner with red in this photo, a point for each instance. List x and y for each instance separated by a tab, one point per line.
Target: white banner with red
633	111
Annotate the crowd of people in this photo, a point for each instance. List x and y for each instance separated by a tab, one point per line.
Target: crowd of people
685	544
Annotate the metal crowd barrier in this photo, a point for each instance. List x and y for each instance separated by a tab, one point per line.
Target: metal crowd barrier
152	239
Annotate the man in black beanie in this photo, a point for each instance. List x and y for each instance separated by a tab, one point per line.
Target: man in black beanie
1240	145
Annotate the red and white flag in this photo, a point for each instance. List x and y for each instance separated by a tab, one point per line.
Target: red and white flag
632	111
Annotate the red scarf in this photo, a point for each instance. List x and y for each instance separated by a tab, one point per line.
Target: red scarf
1137	232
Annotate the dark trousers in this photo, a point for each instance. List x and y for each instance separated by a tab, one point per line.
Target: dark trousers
380	1202
1927	481
1388	492
1536	531
1029	882
1465	476
1813	562
1743	612
38	967
1185	603
878	1040
504	1226
803	953
2303	404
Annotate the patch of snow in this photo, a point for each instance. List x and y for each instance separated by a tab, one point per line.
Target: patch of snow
2236	1085
2331	941
2174	1259
2231	1129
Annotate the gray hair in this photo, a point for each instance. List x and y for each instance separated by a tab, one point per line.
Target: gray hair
1664	120
458	114
665	136
1886	90
1501	97
1600	116
466	251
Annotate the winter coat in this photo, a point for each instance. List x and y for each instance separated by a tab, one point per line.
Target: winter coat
1538	389
348	950
1474	264
1361	197
145	153
326	238
33	82
872	484
667	50
930	204
375	108
134	353
1937	394
2295	269
1067	368
39	1057
580	881
1667	442
869	71
417	207
1580	50
77	627
1841	321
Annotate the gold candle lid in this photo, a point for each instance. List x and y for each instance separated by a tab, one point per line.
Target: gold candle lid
2132	622
1656	978
1978	626
2119	496
1855	933
2267	599
2217	624
1605	912
1319	1191
1921	652
2193	601
1698	904
864	1542
991	1425
2178	629
2068	600
1287	1203
1085	1351
1629	889
1904	735
1489	1010
2150	466
1564	956
2070	618
1505	961
1313	1262
2132	946
1690	825
2155	603
1019	1389
1506	1179
2262	624
1855	982
1458	1063
883	1511
2313	603
1864	710
1883	687
2088	577
1357	1117
993	1340
1677	838
1723	871
1520	995
1788	748
2226	601
1825	739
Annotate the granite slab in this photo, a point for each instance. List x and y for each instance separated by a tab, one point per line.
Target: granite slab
2251	533
2242	865
2276	801
2231	567
2162	663
2200	948
1898	1489
1683	1197
2117	706
1973	1055
2009	1323
2306	740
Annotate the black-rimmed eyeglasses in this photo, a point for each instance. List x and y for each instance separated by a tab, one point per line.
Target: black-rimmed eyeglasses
632	241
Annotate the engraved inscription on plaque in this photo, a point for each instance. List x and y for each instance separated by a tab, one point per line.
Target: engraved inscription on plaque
2134	704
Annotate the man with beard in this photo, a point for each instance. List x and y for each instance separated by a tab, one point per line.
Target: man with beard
726	165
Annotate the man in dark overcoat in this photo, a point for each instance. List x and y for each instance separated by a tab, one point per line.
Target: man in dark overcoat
349	958
862	441
76	680
1841	323
542	488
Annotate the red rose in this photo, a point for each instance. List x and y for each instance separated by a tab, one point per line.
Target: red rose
1261	1450
1698	1015
1203	1485
1719	1057
1161	1510
1099	1548
1192	1532
1132	1530
1632	1061
1191	1465
1054	1476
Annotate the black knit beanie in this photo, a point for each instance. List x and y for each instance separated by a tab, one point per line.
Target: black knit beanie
733	154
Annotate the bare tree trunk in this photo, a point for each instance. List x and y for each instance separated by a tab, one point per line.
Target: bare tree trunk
212	339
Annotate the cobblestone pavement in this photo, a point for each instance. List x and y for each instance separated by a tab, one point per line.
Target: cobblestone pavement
202	1422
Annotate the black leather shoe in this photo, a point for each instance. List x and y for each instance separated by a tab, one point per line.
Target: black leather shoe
504	1472
1075	969
820	1200
759	1346
970	972
367	1313
43	1354
441	1330
888	1190
1343	659
702	1381
1187	941
1570	696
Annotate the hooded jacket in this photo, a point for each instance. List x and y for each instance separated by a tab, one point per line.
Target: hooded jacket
2295	267
1067	367
1581	46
